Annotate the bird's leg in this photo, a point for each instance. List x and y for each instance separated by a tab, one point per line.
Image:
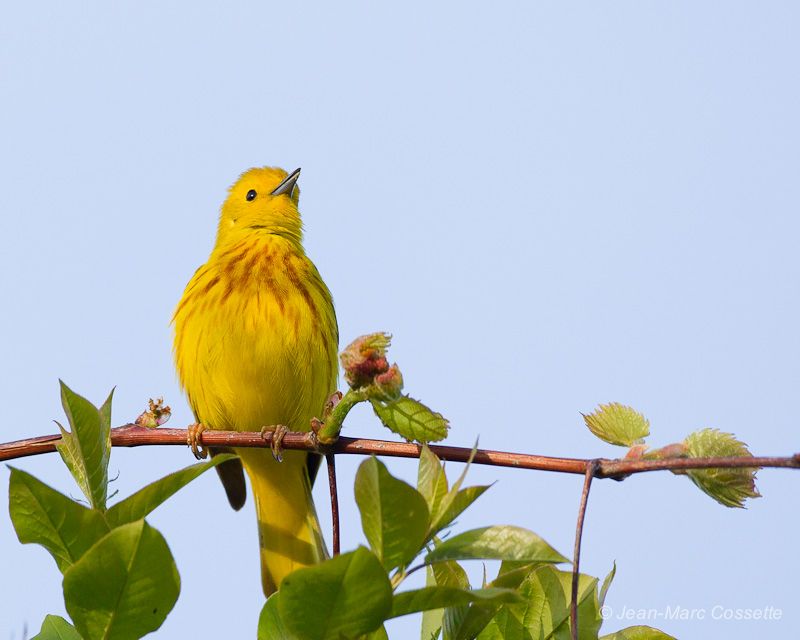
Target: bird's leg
278	432
193	433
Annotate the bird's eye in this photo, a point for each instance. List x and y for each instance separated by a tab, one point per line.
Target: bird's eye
251	195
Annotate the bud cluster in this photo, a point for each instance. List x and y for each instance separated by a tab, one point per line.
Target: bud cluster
366	367
157	414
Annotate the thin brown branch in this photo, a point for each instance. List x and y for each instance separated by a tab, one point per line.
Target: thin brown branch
591	470
330	459
133	436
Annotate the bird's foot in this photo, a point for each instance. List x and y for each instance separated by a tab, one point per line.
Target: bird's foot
193	433
278	432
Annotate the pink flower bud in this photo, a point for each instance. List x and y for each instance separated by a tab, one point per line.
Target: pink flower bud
365	358
390	383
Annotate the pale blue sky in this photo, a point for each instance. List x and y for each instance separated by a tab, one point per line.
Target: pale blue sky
550	205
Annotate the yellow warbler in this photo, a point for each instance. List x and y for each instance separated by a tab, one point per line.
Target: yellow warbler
255	346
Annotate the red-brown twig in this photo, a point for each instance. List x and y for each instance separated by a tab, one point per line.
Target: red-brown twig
330	460
591	470
133	436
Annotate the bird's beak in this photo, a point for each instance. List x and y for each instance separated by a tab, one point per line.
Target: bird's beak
287	186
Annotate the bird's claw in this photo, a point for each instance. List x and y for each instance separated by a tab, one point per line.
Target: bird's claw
278	432
193	434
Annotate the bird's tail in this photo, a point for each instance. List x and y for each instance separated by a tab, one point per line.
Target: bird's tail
288	529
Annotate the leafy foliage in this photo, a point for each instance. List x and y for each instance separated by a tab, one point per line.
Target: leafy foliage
86	449
351	596
496	543
434	597
120	579
606	584
411	419
270	623
618	424
44	516
394	515
56	628
544	610
124	586
730	487
355	593
431	479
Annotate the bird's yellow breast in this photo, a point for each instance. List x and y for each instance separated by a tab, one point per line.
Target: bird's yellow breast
256	337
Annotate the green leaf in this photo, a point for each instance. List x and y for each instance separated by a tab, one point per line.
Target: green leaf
510	576
437	597
472	621
451	509
452	503
544	614
589	618
618	424
506	625
512	573
44	516
87	448
394	515
445	574
548	592
56	628
378	634
730	487
606	584
411	419
638	633
270	624
141	503
496	543
343	597
431	479
124	586
454	618
431	618
450	574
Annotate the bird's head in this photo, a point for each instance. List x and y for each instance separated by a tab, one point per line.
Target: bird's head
262	201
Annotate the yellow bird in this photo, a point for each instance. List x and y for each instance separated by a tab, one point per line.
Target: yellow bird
255	347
